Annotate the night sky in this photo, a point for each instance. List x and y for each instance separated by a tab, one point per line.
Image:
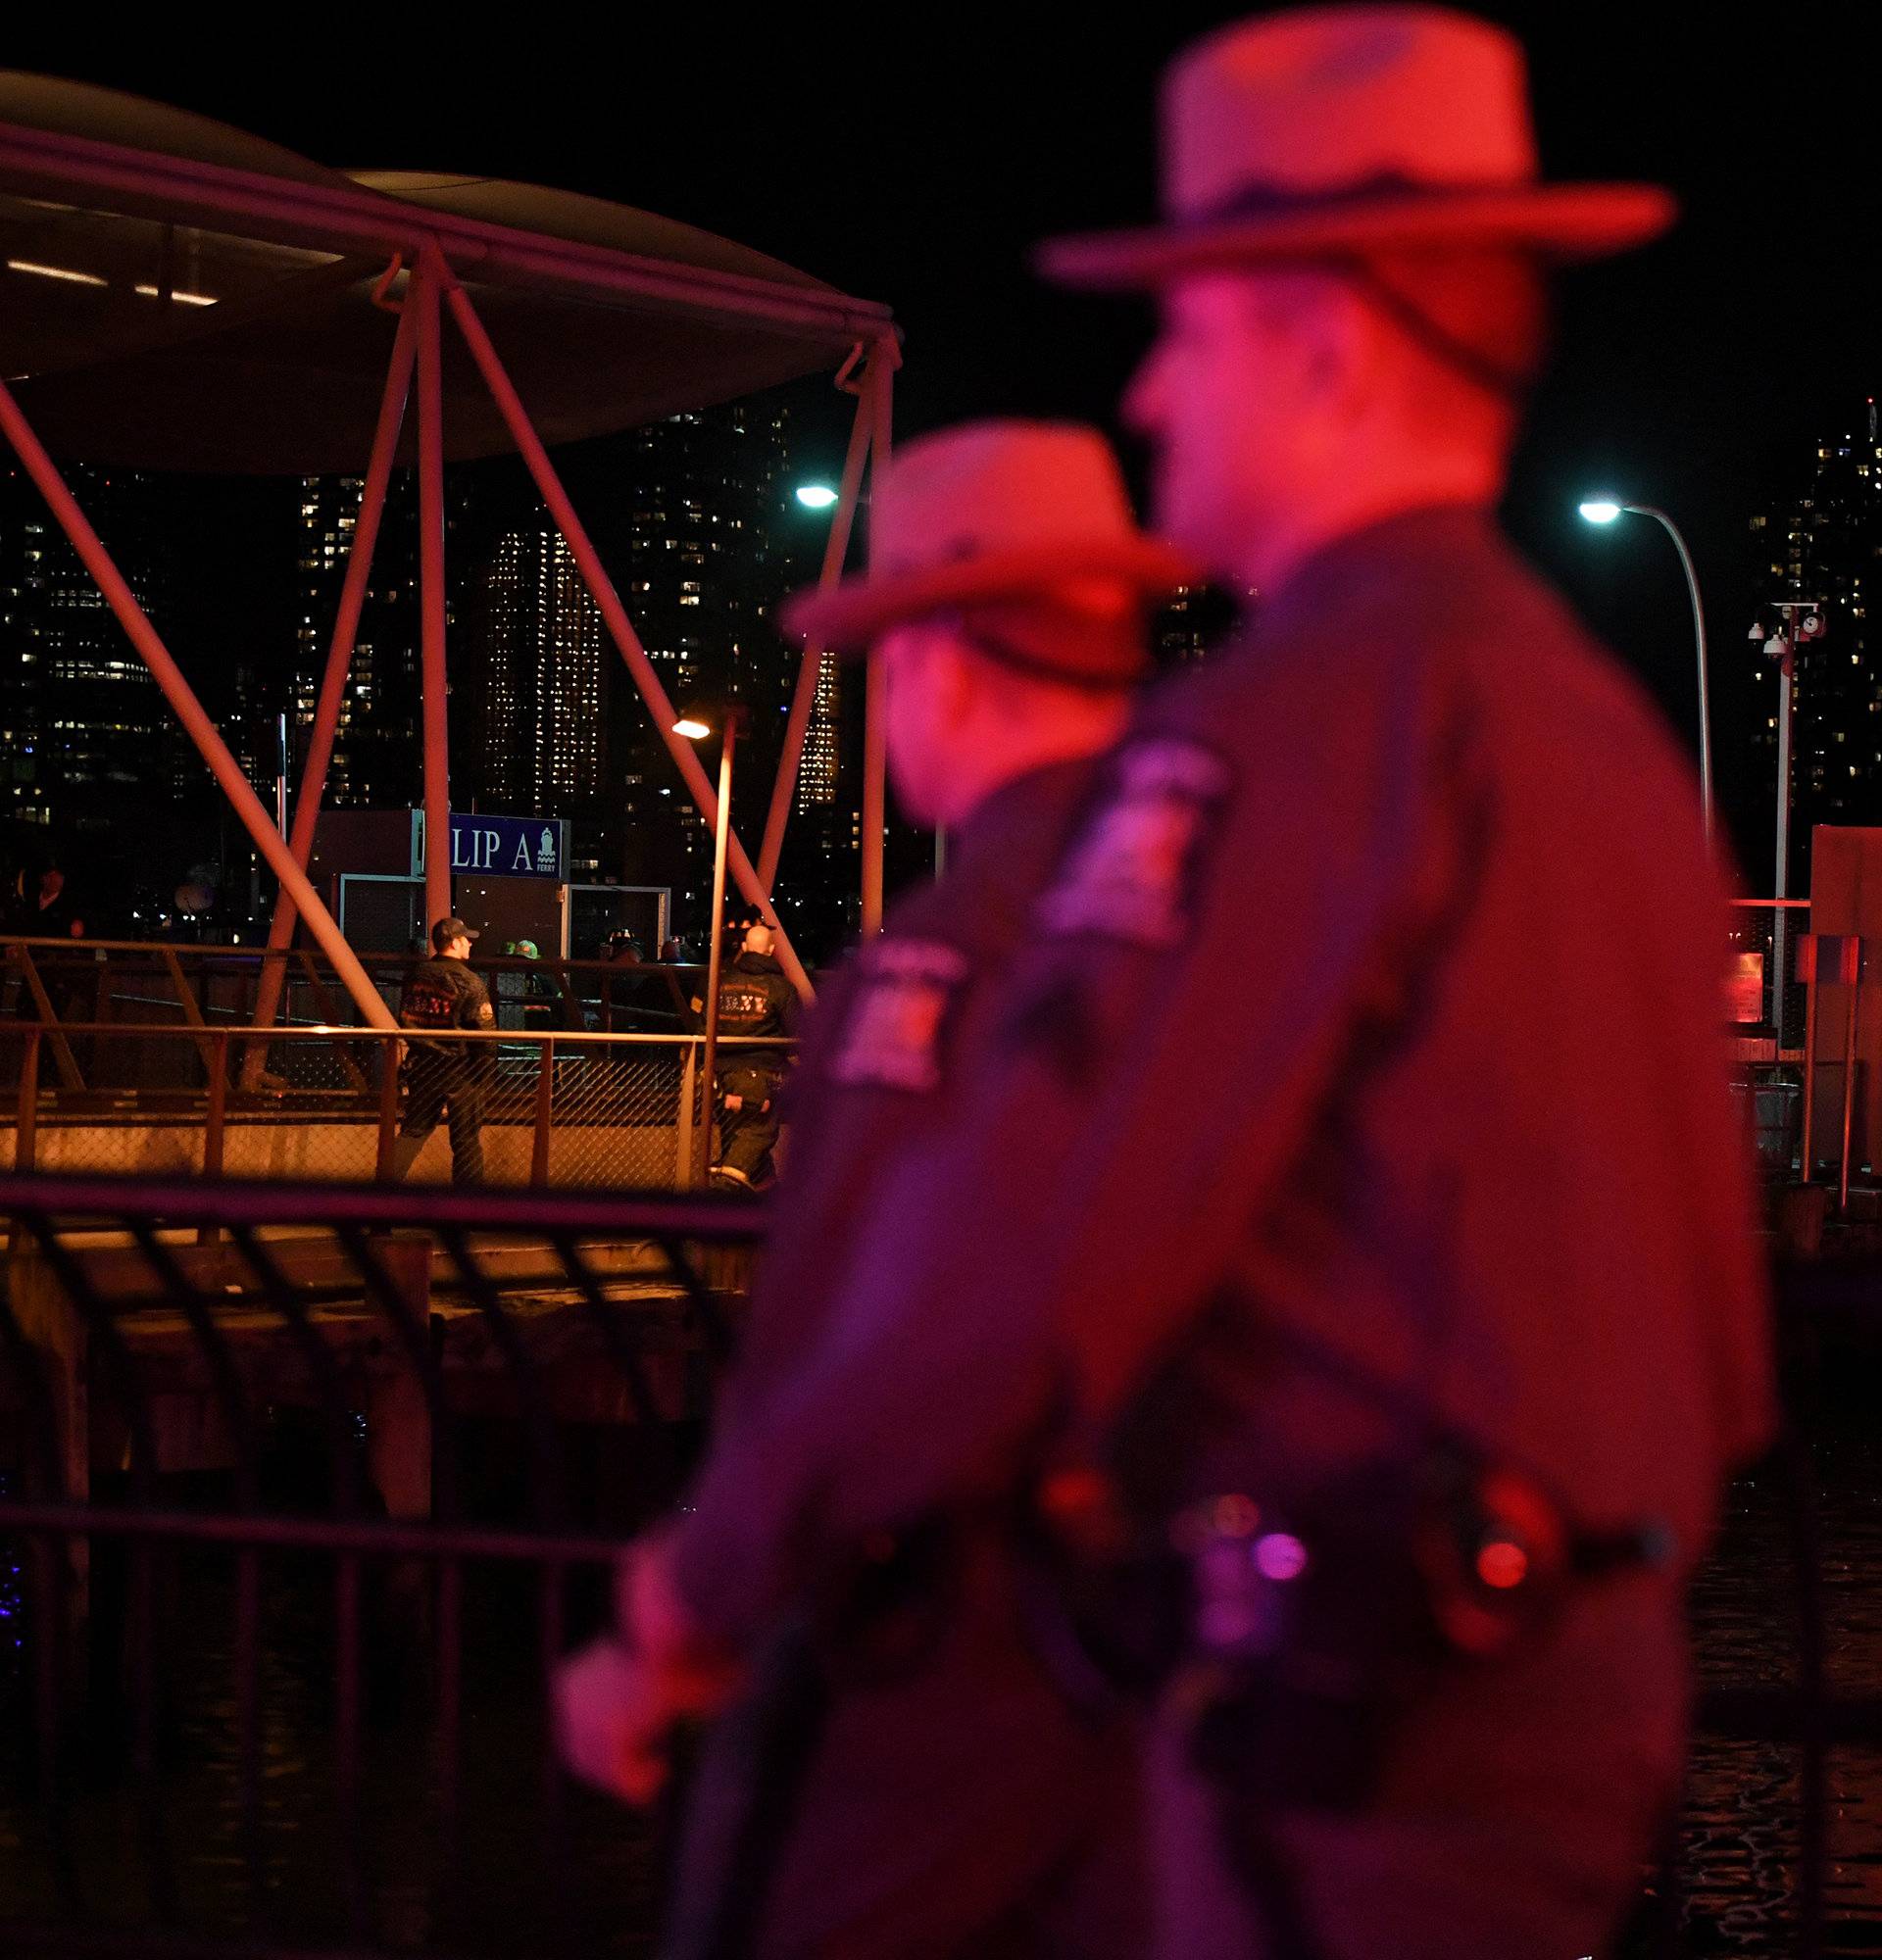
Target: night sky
916	165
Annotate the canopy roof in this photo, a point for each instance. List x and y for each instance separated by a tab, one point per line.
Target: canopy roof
176	294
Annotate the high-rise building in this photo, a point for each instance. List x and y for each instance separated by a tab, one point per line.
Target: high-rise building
544	679
84	724
1824	543
90	754
701	505
378	760
820	768
690	518
686	516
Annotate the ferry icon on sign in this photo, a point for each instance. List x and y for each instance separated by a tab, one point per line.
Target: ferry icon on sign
546	851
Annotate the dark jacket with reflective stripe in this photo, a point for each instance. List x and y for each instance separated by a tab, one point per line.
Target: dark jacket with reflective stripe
754	1000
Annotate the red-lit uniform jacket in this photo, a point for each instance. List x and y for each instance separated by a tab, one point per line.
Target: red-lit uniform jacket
1462	1120
939	1798
875	1072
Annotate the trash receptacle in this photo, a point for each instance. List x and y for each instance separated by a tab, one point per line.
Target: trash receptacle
1777	1111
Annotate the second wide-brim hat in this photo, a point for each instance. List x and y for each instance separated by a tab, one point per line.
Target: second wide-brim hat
1333	131
997	513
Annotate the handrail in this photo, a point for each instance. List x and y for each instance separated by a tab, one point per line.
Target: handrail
211	949
585	1086
708	1217
336	1032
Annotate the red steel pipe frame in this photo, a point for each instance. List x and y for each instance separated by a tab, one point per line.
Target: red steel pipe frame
714	948
882	365
601	589
1850	972
224	766
422	293
333	219
812	670
340	655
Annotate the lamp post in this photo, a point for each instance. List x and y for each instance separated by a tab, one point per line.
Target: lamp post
1786	641
1603	511
694	729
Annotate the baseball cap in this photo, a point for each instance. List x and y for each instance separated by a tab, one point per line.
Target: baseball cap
448	929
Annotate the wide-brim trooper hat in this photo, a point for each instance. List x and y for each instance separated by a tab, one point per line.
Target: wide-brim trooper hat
1025	524
1332	131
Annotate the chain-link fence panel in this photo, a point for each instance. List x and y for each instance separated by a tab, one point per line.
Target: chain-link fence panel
615	1114
583	1110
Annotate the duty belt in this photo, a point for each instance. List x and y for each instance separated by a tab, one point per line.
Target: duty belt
1306	1628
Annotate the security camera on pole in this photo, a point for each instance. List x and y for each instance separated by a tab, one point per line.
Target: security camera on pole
1800	620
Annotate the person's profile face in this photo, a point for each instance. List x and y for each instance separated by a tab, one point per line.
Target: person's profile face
917	723
1218	397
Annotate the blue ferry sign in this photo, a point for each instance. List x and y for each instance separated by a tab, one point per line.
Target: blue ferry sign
501	847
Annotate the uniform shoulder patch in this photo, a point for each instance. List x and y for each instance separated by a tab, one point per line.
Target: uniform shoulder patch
1134	866
486	1013
893	1035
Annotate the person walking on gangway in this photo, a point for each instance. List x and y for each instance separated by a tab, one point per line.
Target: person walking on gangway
446	1078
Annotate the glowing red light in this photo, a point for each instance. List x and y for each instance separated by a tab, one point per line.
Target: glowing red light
1072	1492
1502	1564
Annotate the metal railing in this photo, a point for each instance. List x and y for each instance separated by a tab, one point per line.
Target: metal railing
303	1493
565	1109
304	1490
96	981
1796	1049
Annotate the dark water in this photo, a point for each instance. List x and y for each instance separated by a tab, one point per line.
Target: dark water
1740	1841
538	1868
154	1824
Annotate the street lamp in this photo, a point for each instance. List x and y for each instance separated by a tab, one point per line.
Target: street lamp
1781	646
815	496
1605	511
695	729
